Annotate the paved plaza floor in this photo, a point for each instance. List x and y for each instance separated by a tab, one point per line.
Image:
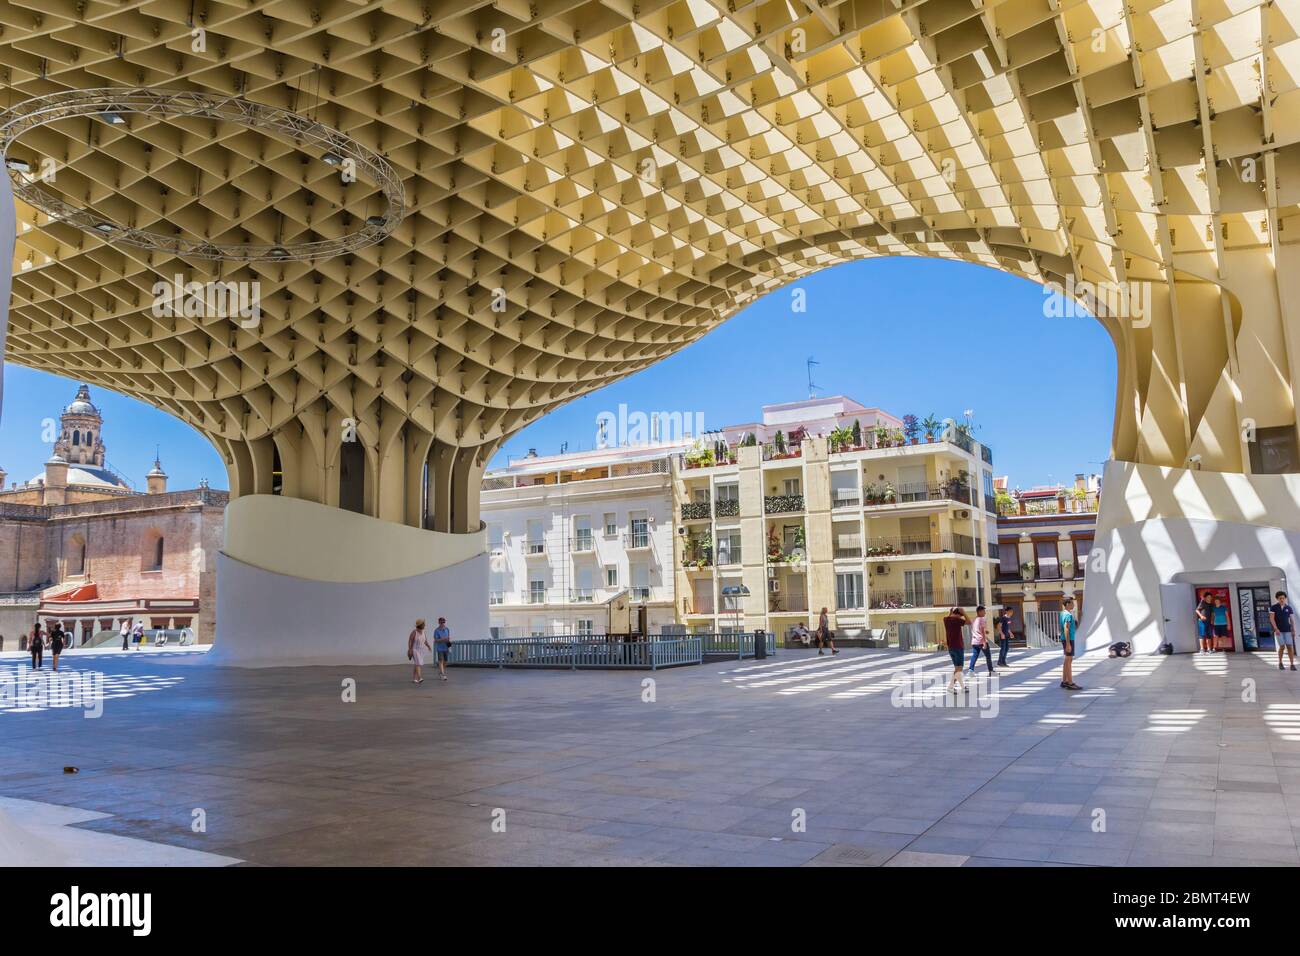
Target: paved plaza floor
796	760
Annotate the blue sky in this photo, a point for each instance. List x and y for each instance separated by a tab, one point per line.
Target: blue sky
907	334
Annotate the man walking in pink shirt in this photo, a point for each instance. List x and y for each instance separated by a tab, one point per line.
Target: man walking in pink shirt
979	640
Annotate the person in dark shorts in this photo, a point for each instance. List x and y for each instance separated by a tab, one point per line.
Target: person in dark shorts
1204	626
56	643
1220	613
1004	636
1069	632
442	645
1280	616
952	632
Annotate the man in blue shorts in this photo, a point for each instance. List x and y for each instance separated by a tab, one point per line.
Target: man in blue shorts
955	637
442	645
1204	626
1280	615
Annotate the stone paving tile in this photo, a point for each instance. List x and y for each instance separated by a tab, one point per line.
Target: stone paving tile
588	775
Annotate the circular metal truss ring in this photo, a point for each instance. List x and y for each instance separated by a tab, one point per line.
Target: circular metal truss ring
306	134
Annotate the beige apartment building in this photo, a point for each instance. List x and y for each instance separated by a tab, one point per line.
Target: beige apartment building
828	503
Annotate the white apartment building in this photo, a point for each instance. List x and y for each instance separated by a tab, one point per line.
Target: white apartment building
581	543
824	502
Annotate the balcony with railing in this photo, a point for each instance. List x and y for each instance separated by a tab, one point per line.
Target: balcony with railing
876	439
901	546
700	605
782	504
697	554
848	551
727	507
640	593
583	543
582	596
773	451
1067	501
536	596
696	511
534	547
728	554
496	597
846	499
636	540
923	598
886	494
796	603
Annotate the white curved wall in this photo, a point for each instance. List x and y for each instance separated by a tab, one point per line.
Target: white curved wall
1164	525
300	583
310	540
270	620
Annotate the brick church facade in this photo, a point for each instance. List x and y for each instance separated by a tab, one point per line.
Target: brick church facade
78	545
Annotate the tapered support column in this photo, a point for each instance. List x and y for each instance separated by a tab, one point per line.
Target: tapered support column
8	231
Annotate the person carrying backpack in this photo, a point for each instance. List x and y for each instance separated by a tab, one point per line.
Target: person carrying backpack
37	646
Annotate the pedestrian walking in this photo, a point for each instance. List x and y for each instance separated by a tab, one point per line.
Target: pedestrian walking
979	640
413	652
56	644
137	634
1004	636
1069	631
825	636
37	646
442	645
1279	615
952	631
126	632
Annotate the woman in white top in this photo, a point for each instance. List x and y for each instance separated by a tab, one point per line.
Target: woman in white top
413	654
979	639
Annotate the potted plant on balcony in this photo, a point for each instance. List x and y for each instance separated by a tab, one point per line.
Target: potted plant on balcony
1067	567
773	547
779	441
881	434
841	439
1004	502
931	426
1027	570
1080	498
699	456
911	428
857	433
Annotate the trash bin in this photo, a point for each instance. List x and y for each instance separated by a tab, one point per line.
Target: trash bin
760	645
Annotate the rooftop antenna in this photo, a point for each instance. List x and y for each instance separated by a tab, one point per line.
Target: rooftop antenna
812	389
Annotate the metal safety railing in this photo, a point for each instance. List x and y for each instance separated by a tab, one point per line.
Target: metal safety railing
578	652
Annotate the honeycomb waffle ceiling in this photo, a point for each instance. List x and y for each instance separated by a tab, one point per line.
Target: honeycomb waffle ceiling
629	174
